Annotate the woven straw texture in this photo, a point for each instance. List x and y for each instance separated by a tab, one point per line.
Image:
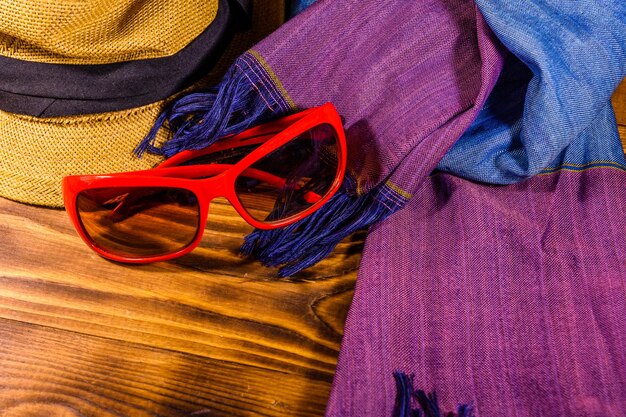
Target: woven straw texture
100	31
37	152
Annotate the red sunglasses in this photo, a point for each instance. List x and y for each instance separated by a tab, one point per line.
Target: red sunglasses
273	174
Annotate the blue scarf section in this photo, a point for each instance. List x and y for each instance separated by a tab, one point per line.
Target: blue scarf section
297	6
551	106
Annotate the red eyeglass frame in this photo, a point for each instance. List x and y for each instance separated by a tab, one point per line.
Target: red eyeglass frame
220	185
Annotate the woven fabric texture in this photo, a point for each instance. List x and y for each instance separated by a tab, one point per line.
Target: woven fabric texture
36	153
508	299
556	87
100	31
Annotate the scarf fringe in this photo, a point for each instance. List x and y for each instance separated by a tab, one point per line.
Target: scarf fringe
310	240
199	119
428	405
243	99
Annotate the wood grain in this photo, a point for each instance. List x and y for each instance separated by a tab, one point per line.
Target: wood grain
221	310
59	373
619	104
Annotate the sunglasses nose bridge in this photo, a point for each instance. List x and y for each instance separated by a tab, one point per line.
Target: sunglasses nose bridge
215	187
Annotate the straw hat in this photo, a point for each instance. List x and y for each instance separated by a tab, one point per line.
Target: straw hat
81	83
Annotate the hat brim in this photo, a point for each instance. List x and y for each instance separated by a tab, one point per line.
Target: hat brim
36	153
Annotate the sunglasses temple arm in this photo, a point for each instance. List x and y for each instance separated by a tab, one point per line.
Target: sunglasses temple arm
221	145
199	171
255	136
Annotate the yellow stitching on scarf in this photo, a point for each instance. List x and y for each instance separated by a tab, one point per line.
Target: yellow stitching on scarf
274	78
563	168
398	189
586	164
613	165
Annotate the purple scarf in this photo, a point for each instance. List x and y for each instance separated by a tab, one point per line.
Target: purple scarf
508	299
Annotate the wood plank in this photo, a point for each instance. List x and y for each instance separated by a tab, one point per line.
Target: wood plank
54	373
211	303
619	103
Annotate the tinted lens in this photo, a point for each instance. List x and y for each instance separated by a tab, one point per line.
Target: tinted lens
229	156
292	178
139	222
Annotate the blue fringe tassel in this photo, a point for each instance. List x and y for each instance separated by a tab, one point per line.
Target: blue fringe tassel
310	240
428	405
199	119
245	98
404	388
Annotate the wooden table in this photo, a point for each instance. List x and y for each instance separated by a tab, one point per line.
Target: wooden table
211	334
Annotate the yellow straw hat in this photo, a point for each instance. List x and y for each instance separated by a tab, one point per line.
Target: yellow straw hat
81	83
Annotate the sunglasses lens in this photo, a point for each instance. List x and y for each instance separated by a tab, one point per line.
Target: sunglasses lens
292	178
138	222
